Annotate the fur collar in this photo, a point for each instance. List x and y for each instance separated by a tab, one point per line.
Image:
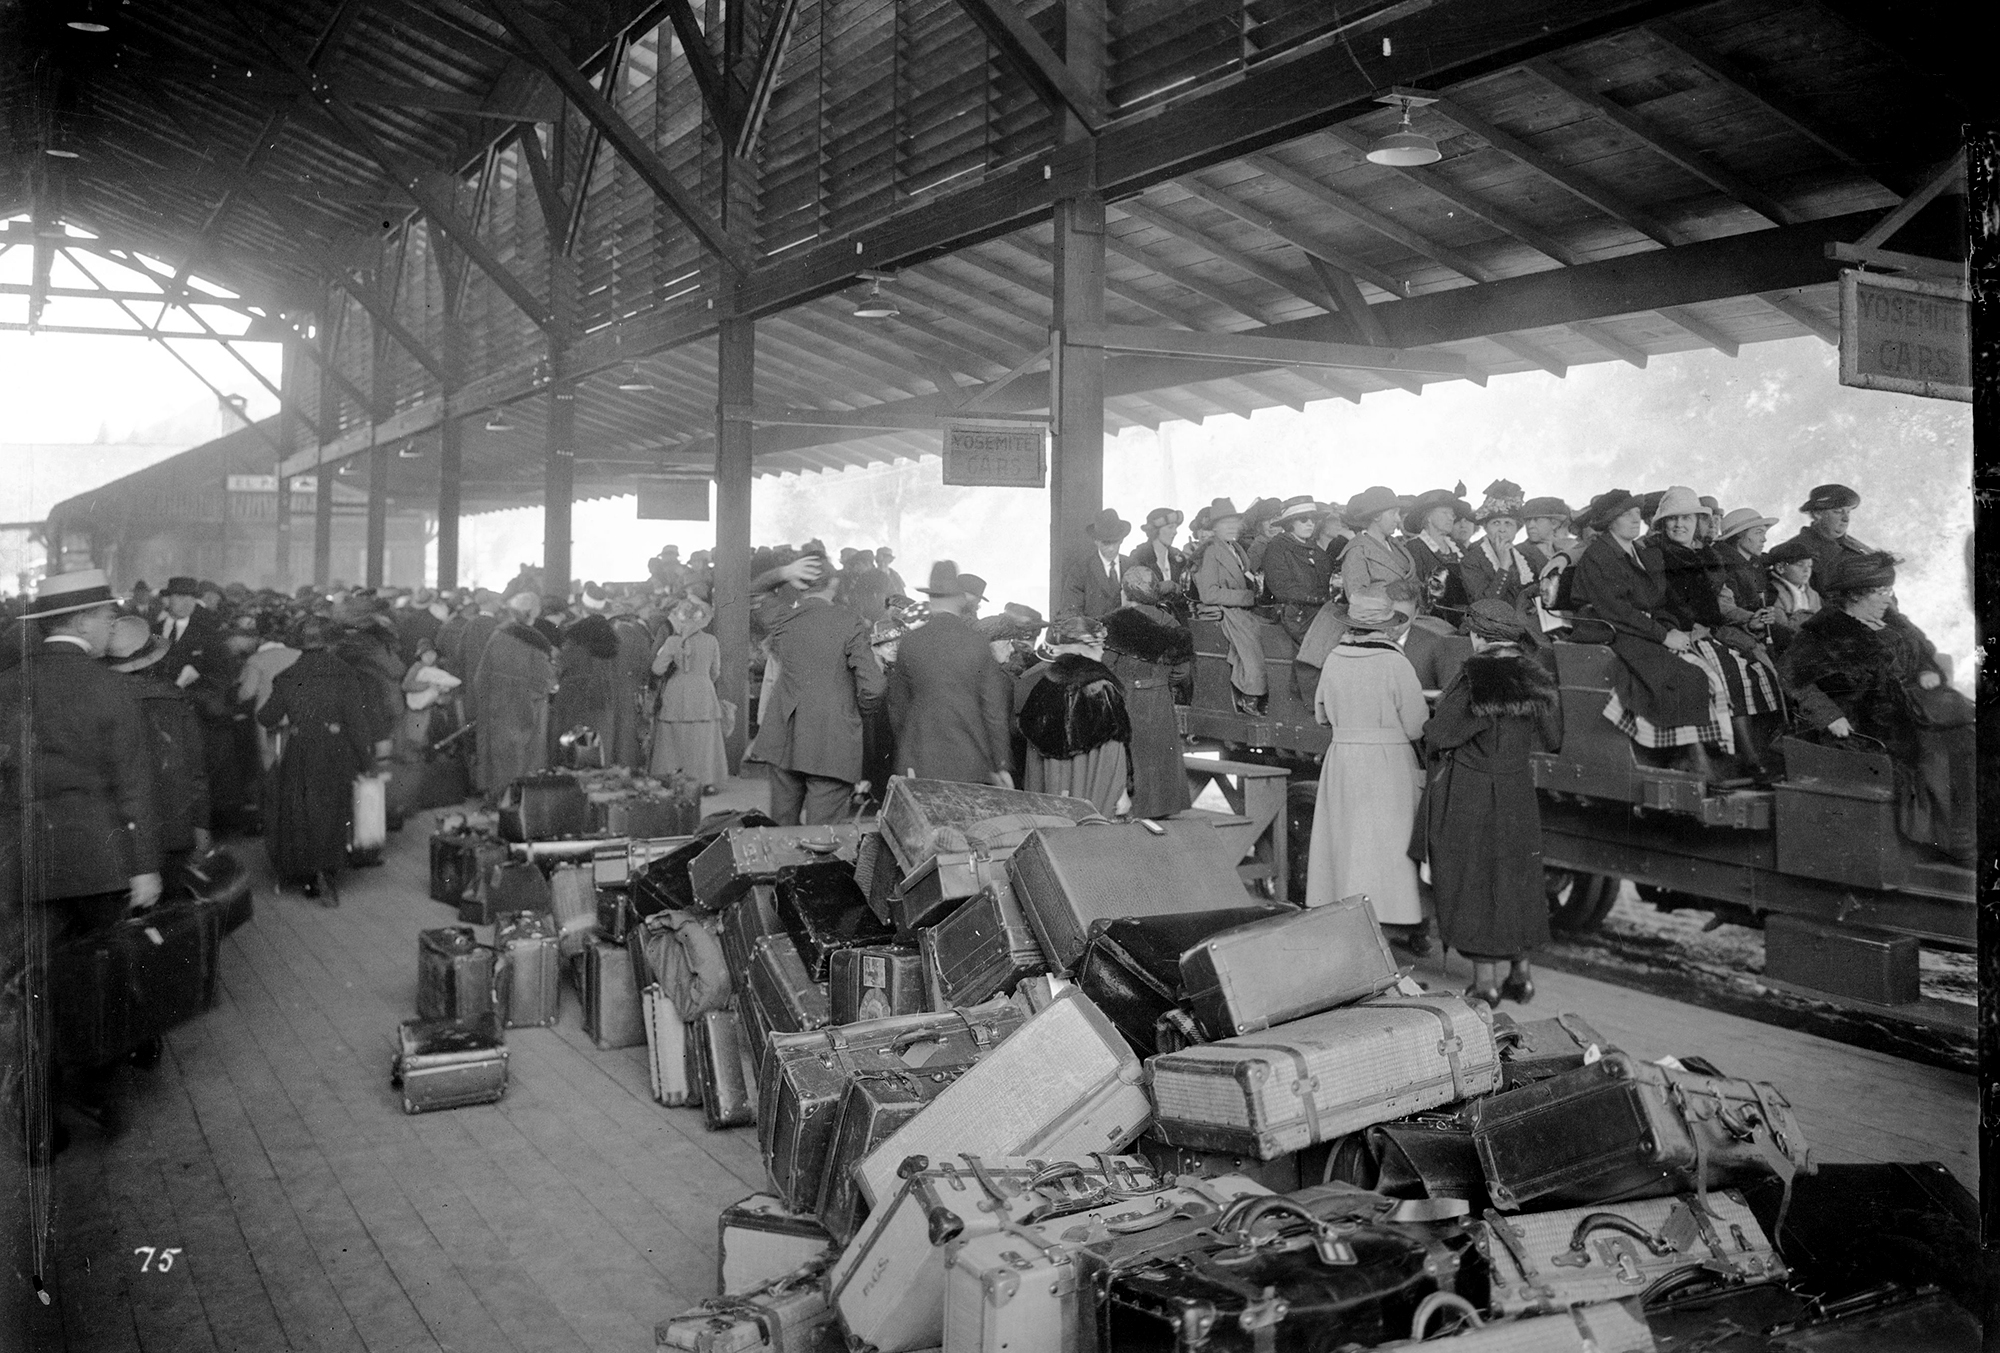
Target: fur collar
1135	631
528	635
594	632
1508	685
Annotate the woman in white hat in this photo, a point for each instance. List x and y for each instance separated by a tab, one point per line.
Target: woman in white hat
687	726
1372	706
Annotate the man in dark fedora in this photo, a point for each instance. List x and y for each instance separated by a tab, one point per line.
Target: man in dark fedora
1829	508
1090	573
949	703
82	812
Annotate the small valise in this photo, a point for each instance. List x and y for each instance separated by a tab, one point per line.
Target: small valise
873	1106
1131	966
753	916
785	1316
788	1000
824	911
1536	1049
454	974
736	859
667	1051
611	1014
545	806
875	981
449	1063
757	1240
573	899
981	950
1276	969
527	973
726	1070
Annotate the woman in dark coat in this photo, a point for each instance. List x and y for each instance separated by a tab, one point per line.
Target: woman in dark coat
1150	654
1480	823
587	680
323	707
1860	667
180	772
1079	736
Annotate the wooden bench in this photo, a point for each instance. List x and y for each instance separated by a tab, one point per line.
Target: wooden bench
1257	795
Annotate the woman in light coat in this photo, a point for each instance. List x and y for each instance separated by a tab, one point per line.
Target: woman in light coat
1369	700
687	727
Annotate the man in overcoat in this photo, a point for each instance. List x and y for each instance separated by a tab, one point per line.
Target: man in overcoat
516	677
949	702
810	734
1830	507
1090	573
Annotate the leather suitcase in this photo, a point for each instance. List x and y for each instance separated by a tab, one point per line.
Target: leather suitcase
651	815
801	1078
547	806
935	889
1011	1104
667	1051
1547	1261
920	818
1888	1319
512	885
573	899
1065	880
483	855
610	998
757	1240
788	1000
876	873
1622	1128
874	982
449	1063
661	883
824	911
788	1315
613	864
1282	1175
726	1070
220	881
368	820
733	861
453	855
1285	967
118	987
1849	1228
454	974
1131	967
874	1105
1329	1074
889	1285
981	950
527	976
1536	1049
1427	1155
754	916
614	915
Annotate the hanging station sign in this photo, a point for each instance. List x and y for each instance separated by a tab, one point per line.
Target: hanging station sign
985	453
1905	334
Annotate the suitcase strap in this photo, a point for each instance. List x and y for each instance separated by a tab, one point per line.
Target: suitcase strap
1765	1133
1449	1047
1306	1085
1509	1237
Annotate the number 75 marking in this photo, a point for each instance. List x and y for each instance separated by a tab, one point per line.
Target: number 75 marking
158	1259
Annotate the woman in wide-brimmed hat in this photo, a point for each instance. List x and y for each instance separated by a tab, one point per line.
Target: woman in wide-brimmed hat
1859	667
1479	825
1372	706
1223	581
1072	714
687	724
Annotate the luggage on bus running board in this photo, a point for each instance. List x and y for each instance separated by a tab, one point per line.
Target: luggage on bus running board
1270	971
611	998
1131	967
1622	1128
454	974
119	987
449	1063
1011	1105
527	976
368	822
757	1240
1064	880
735	860
668	1051
1324	1076
725	1068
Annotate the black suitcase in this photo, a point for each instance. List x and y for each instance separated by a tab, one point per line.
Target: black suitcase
875	1104
875	981
1131	967
1536	1049
220	880
981	950
454	974
823	911
663	884
449	861
482	855
508	886
1427	1155
754	916
1852	1227
786	997
127	984
725	1067
546	806
1065	880
739	858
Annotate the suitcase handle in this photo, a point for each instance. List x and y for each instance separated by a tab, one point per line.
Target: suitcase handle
1578	1253
1436	1303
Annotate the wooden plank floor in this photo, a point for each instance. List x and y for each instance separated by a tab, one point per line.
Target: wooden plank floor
311	1213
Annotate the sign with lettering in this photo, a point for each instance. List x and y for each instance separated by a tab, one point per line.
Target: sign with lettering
987	453
1898	333
268	483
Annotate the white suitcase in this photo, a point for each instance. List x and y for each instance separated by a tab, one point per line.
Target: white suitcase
1065	1085
1546	1261
1609	1327
1018	1289
667	1050
368	828
1283	1089
757	1241
889	1284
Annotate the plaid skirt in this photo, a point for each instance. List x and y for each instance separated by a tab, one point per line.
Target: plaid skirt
1715	730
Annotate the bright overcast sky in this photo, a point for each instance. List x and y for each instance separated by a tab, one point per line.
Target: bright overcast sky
66	387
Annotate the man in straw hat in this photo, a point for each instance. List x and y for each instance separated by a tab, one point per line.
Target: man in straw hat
1090	572
949	703
1224	581
83	815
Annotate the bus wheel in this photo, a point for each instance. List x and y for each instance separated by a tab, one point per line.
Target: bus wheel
1578	903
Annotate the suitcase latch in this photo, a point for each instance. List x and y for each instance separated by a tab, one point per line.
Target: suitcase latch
1265	1312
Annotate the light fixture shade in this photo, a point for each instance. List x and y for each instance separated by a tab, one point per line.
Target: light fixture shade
1404	149
875	305
631	378
498	422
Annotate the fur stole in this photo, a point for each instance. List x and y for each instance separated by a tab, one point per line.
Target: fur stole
528	635
1076	706
1132	631
1507	685
594	632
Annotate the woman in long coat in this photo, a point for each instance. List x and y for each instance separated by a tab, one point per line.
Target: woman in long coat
1480	823
1371	704
587	681
322	706
511	689
1150	653
1371	559
687	728
1079	735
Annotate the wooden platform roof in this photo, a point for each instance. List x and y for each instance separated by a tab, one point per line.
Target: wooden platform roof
410	189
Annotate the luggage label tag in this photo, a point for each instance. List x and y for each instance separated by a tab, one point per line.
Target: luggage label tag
155	936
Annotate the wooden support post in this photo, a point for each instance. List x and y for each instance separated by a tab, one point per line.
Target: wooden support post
735	385
288	434
1076	479
378	512
323	528
451	458
559	455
